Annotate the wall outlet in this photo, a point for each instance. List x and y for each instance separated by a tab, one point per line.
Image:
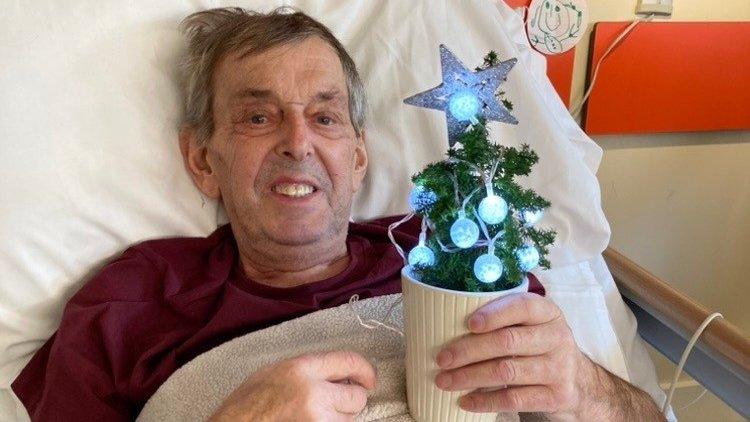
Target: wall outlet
660	8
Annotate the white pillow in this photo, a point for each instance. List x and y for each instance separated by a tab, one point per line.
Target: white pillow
89	160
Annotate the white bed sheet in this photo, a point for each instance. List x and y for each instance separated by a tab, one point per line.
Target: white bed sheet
89	161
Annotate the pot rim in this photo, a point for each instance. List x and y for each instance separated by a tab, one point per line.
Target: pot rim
406	273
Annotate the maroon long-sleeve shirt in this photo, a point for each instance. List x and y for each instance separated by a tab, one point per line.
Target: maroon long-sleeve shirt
163	302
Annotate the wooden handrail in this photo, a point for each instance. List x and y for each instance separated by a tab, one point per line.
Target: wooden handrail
678	311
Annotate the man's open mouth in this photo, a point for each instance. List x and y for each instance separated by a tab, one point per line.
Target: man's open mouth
296	190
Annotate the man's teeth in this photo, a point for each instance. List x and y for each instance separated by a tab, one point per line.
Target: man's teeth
294	189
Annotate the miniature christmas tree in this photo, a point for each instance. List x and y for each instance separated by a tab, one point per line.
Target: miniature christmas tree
481	221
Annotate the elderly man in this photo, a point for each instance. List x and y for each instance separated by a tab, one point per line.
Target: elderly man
274	129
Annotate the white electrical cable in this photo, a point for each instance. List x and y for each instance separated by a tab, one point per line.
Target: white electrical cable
372	324
576	110
684	357
695	400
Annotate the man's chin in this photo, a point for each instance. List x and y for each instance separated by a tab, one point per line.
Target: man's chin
296	228
296	234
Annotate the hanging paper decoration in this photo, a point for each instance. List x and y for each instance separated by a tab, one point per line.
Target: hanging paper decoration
556	26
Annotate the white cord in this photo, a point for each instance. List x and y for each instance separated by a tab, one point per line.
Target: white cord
695	400
392	227
372	324
684	357
576	110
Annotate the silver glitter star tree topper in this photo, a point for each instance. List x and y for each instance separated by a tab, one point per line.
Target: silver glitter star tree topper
465	96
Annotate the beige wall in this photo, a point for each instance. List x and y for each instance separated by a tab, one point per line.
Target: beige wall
679	204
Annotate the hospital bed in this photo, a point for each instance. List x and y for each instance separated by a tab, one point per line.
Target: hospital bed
89	164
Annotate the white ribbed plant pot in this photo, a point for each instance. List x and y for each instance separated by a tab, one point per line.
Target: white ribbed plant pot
432	318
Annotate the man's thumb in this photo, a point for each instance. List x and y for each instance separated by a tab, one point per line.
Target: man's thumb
339	365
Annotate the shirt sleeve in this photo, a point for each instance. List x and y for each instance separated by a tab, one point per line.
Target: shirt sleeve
83	372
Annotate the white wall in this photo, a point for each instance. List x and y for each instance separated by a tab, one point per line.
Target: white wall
679	204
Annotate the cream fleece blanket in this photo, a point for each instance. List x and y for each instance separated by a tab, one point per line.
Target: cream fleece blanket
195	390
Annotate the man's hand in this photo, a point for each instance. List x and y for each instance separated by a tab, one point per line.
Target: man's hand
521	356
329	386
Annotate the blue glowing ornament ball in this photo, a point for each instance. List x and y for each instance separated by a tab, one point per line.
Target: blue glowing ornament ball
464	105
421	256
531	217
493	209
488	268
528	257
464	232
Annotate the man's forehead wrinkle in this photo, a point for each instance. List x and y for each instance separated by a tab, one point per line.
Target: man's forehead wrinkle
252	93
332	95
305	79
269	53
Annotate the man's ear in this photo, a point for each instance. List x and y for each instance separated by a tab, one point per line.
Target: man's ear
360	161
194	156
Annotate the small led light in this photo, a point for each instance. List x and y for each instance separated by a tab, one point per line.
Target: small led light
464	232
488	268
464	105
493	209
531	217
421	256
528	257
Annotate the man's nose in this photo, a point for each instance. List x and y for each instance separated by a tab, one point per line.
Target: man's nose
295	142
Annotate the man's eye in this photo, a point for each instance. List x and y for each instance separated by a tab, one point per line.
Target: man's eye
258	119
325	120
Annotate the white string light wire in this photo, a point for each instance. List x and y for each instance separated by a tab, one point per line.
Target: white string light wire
490	239
393	240
466	200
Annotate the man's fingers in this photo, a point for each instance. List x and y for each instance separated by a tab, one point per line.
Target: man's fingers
349	399
515	309
520	340
340	365
534	370
530	398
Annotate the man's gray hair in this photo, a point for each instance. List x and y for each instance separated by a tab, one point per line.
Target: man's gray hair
214	33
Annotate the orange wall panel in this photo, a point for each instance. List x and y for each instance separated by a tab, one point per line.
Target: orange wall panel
670	77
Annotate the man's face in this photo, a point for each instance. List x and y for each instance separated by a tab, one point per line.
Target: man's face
284	152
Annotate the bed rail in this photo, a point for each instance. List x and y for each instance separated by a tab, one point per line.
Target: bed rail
667	319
